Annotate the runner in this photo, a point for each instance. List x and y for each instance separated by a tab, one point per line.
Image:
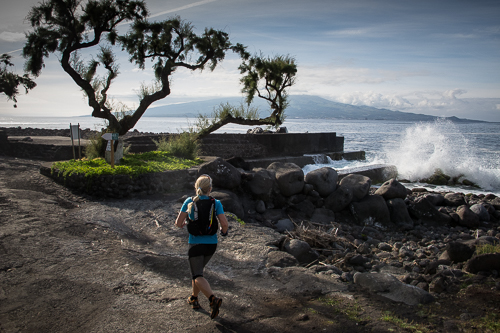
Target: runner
202	247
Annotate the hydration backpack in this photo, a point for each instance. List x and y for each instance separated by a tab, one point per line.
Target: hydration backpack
205	222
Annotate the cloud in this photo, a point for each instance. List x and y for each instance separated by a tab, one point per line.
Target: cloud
374	99
452	94
12	36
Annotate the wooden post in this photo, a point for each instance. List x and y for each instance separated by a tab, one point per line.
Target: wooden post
79	143
112	153
72	142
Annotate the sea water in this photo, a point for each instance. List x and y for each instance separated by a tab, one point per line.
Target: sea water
469	150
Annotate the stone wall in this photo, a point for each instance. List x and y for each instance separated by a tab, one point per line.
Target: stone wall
120	186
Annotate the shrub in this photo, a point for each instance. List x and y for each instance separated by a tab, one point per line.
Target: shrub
183	145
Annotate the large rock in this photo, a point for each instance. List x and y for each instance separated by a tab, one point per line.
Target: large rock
458	252
223	174
301	251
359	185
339	199
423	209
261	183
467	217
454	199
281	259
481	212
284	225
289	176
483	262
435	198
392	189
399	213
324	180
371	210
390	287
323	216
230	202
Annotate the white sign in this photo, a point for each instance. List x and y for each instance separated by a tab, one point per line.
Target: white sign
108	147
75	131
107	136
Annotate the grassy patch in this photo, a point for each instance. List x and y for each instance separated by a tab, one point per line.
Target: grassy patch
403	323
132	165
487	248
351	311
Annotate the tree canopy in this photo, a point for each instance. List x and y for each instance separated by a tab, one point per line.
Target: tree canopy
72	26
10	81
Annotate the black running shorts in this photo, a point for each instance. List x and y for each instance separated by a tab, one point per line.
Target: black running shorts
199	256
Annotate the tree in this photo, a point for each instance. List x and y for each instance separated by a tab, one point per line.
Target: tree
9	81
70	26
266	77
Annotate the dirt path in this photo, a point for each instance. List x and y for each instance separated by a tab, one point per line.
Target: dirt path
74	264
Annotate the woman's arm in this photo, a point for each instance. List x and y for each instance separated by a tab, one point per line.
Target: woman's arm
181	219
223	223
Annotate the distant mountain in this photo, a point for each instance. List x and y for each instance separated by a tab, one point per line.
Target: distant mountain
301	106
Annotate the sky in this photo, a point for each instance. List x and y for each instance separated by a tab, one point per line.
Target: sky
439	58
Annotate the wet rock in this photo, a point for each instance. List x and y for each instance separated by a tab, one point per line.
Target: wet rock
324	180
392	189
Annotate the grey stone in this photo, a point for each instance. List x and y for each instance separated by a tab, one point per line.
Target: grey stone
260	207
454	199
223	174
284	225
261	183
371	210
481	211
359	185
423	209
483	262
324	180
339	199
458	252
301	251
289	176
390	287
435	198
392	189
230	202
399	213
467	217
323	215
281	259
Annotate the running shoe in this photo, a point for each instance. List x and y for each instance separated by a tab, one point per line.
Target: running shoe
193	302
215	305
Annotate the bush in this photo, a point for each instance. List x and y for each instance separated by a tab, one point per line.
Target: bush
96	147
183	145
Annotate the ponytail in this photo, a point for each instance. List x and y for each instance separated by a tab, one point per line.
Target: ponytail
202	186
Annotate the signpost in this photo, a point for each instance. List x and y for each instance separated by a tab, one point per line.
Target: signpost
75	133
111	137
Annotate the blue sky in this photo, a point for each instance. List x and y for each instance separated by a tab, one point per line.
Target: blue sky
434	57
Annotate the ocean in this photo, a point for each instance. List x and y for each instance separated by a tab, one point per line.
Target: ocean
470	150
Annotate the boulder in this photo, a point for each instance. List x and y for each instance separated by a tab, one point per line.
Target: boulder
458	252
301	251
339	199
223	174
483	262
423	209
302	211
388	286
435	198
260	207
454	199
289	176
371	210
359	185
261	183
481	212
281	259
230	202
467	217
324	180
323	216
392	189
238	163
284	225
399	213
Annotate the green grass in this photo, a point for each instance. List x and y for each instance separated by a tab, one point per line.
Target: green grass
487	248
403	323
131	164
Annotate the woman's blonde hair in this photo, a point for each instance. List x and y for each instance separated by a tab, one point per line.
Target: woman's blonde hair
202	186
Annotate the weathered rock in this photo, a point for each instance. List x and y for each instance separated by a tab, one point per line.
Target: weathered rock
481	212
359	185
281	259
390	287
371	210
384	247
467	217
223	174
230	202
483	262
399	213
238	163
323	215
284	225
454	199
324	180
392	189
289	176
302	210
458	252
260	207
301	251
423	209
435	198
339	199
261	183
